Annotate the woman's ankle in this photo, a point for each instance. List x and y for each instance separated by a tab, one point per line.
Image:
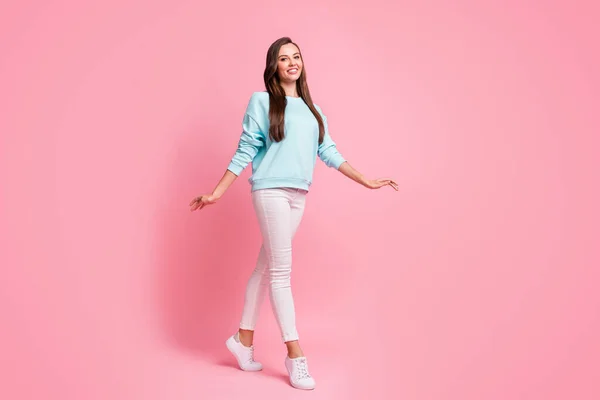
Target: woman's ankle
246	337
294	349
295	354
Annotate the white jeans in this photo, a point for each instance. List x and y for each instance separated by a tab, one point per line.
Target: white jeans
279	212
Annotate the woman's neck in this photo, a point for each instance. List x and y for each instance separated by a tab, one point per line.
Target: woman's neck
290	89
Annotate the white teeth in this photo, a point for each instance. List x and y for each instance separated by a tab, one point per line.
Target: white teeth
292	71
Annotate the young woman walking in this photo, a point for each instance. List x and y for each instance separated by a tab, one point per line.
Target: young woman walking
283	133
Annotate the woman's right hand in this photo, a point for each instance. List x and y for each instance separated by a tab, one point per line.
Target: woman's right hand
198	203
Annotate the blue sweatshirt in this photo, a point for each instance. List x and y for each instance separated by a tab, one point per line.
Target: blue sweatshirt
290	162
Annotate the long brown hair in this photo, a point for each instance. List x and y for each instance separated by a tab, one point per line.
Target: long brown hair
277	99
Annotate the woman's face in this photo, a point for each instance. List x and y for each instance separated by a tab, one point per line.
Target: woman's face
289	63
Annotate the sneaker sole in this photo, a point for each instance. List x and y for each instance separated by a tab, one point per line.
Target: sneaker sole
229	343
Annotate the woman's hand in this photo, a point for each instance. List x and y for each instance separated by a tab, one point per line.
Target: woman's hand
379	183
346	169
198	203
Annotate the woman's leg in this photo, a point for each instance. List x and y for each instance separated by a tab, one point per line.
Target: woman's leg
297	210
278	211
274	213
276	206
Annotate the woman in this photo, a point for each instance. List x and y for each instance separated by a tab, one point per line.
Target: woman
283	133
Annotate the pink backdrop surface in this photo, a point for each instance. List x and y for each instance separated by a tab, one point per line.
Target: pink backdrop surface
478	280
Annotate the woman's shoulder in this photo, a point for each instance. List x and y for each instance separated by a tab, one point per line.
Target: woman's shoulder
260	97
258	105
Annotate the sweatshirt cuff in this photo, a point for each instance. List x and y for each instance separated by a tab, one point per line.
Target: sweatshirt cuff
337	161
236	169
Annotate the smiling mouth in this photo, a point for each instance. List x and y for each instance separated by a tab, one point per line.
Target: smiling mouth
292	70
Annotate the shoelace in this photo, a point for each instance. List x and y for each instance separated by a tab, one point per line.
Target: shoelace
302	369
251	354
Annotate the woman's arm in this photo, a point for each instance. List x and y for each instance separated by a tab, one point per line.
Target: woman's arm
226	181
251	140
346	169
332	158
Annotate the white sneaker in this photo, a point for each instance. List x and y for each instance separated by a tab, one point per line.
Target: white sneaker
244	355
299	375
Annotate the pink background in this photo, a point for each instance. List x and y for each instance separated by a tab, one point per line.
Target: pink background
478	280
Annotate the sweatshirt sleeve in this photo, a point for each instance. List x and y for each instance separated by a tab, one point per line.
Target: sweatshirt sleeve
251	139
328	152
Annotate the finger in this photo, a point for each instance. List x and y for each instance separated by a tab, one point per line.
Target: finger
390	182
196	200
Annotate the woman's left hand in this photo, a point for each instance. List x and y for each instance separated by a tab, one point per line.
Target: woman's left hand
379	183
